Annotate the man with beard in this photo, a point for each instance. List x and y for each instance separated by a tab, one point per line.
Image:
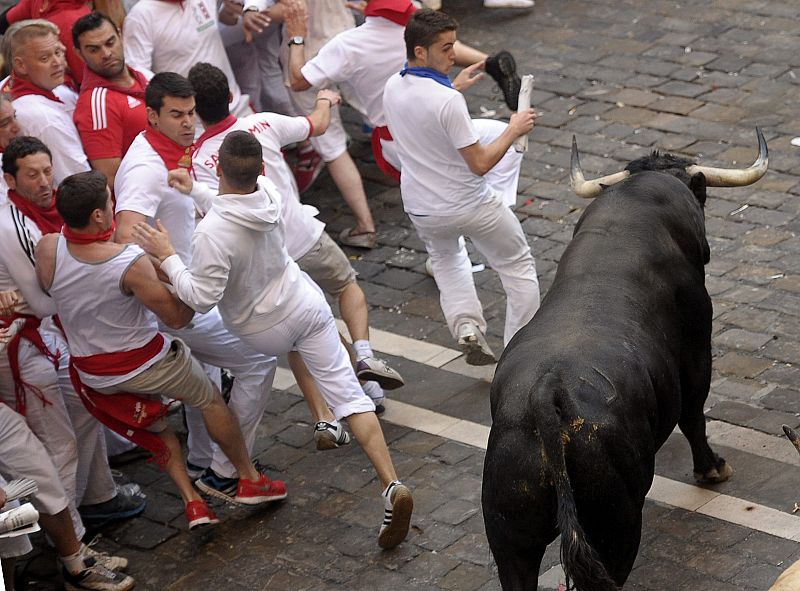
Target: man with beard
110	112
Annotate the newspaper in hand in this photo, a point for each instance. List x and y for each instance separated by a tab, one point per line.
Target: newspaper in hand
521	143
21	487
18	521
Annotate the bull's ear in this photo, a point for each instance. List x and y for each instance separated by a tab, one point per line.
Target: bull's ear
697	184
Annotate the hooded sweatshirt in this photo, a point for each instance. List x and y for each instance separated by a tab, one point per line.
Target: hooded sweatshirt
239	262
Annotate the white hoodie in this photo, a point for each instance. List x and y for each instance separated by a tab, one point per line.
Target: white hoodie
240	263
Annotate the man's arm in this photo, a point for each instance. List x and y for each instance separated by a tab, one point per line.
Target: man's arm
108	166
46	260
320	117
481	159
22	272
296	23
140	279
126	220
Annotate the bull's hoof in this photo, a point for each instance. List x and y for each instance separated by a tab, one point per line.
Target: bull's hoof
715	475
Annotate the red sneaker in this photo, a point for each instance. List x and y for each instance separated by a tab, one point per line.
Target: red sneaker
198	513
263	490
307	168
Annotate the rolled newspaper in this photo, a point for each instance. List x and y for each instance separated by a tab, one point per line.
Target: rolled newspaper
521	143
18	521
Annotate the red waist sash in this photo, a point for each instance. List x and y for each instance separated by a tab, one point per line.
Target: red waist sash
378	134
29	332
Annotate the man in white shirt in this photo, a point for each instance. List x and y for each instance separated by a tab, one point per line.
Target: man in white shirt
44	104
445	191
168	36
9	129
278	308
142	194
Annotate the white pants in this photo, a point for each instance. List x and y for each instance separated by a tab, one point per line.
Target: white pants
22	455
497	234
211	343
504	176
311	330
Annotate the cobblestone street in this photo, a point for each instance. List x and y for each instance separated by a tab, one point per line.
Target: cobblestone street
625	77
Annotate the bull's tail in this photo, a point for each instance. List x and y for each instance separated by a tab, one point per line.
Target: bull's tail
581	563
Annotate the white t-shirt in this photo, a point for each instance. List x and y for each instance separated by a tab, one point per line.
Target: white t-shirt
430	123
273	131
165	36
360	61
51	122
141	186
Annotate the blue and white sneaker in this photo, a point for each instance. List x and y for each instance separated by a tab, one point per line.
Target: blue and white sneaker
218	486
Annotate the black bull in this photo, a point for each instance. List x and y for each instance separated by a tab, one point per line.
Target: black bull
589	390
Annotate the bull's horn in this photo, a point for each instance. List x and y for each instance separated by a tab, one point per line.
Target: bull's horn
589	189
793	436
736	177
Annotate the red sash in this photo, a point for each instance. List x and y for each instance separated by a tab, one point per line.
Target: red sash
397	11
29	332
172	154
126	414
378	134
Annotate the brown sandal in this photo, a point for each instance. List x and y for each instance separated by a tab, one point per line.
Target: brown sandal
360	240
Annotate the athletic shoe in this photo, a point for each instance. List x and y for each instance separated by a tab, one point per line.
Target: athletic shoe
199	514
361	240
375	392
508	3
398	506
328	436
307	168
104	558
502	67
428	267
96	576
194	471
473	344
217	486
123	506
263	490
377	370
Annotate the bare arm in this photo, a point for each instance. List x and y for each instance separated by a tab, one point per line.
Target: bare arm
126	220
108	166
142	282
296	23
45	255
481	159
320	117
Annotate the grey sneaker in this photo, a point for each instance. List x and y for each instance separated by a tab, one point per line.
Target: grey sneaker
398	506
377	370
473	344
96	576
328	436
104	558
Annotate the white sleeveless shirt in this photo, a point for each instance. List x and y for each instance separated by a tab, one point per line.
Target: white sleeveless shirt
97	316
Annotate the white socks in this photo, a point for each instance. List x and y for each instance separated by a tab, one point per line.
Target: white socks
362	349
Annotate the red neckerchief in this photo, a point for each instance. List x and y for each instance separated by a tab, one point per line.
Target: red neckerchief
79	238
93	80
173	154
48	220
397	11
20	87
215	129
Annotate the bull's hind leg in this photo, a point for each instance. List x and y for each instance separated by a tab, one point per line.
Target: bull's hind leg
695	382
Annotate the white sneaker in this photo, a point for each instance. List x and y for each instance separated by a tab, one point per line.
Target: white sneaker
508	3
473	344
398	506
328	436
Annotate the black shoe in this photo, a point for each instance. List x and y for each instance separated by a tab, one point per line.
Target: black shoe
122	506
502	67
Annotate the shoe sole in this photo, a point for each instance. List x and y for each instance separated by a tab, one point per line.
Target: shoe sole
259	500
402	507
202	522
384	381
507	69
71	587
475	355
213	492
326	441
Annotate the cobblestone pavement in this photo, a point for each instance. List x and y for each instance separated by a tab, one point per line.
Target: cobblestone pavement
625	77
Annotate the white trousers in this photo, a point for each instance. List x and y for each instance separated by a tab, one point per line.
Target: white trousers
211	343
22	455
496	233
311	330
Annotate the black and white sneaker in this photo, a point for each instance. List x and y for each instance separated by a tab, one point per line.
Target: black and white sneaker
96	576
328	436
398	506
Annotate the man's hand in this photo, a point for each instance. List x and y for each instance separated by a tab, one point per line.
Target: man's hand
181	180
359	6
155	242
10	302
296	19
230	13
334	97
521	123
467	77
254	22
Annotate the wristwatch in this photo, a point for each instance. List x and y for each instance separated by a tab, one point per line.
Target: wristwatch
297	40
